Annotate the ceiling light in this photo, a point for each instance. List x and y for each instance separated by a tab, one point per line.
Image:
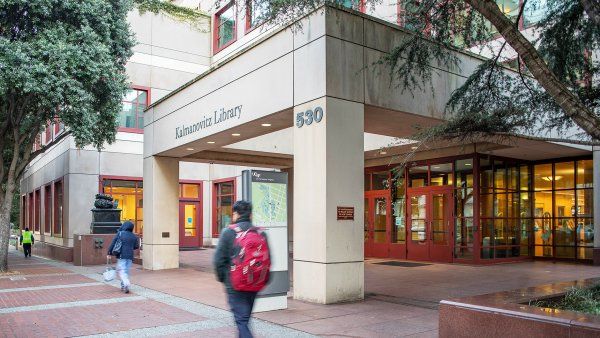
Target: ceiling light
266	124
467	164
436	167
383	152
190	149
235	134
211	142
413	148
550	179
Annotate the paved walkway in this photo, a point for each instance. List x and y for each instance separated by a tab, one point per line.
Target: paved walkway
53	299
400	300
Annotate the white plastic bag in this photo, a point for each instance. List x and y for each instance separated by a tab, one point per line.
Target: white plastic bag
110	273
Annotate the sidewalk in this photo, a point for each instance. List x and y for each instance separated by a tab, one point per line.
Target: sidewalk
53	299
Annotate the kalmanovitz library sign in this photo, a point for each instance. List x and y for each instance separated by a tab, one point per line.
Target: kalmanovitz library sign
219	116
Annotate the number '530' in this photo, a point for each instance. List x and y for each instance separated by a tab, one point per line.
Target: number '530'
309	116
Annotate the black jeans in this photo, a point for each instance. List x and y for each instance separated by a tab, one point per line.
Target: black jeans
27	250
241	304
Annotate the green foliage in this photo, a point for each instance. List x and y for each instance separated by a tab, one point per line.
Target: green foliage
185	14
576	299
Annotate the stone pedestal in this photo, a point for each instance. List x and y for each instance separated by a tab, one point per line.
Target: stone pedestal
329	173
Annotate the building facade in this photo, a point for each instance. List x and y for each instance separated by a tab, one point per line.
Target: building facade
310	102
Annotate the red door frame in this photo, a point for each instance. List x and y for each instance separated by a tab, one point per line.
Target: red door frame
197	241
426	250
372	249
215	226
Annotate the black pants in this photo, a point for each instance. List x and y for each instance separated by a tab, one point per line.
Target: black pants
27	249
241	304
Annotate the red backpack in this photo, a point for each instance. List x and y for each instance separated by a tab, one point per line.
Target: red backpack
251	263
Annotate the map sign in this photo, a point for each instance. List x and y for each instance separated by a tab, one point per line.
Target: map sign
269	204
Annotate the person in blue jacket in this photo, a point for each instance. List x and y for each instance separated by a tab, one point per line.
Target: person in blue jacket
129	243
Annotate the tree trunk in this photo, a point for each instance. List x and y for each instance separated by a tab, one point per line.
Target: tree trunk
592	9
5	207
570	104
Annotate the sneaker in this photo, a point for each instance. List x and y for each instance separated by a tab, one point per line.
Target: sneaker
126	289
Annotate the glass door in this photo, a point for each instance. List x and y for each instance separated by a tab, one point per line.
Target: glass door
377	225
430	224
417	244
189	225
440	226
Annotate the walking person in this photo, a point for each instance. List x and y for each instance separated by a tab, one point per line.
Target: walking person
242	264
27	241
128	243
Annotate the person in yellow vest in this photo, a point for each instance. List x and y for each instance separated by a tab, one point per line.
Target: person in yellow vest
27	241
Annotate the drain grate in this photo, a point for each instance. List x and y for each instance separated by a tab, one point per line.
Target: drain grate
402	264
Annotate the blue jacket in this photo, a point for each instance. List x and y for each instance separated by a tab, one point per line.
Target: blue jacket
129	241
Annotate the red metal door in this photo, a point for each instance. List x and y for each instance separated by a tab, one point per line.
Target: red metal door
440	225
190	232
430	223
417	245
378	226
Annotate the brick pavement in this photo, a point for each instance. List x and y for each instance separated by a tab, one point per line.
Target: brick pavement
52	299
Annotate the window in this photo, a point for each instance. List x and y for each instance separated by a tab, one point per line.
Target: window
59	127
128	194
47	208
38	203
399	208
224	30
131	117
30	208
254	14
190	191
504	208
23	211
223	198
563	219
463	205
58	208
48	133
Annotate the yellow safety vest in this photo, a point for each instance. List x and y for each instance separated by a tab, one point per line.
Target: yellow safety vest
26	237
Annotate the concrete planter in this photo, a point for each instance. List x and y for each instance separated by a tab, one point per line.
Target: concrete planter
507	314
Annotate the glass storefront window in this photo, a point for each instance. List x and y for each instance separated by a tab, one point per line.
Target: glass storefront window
564	175
399	212
418	176
524	179
564	233
542	174
464	173
564	203
380	180
499	175
585	174
224	198
441	174
128	195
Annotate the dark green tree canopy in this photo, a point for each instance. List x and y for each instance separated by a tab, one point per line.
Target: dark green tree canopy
59	59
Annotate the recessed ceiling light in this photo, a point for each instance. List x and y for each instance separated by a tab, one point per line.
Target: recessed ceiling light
436	167
413	148
190	149
467	164
383	152
266	124
235	134
211	142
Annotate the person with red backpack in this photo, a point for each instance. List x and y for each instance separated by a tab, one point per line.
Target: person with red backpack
242	263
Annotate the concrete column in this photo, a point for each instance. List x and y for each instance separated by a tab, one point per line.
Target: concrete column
596	212
328	172
161	213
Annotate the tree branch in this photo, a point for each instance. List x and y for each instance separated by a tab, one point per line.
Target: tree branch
572	106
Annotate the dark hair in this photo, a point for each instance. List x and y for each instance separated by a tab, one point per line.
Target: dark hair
26	229
243	208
